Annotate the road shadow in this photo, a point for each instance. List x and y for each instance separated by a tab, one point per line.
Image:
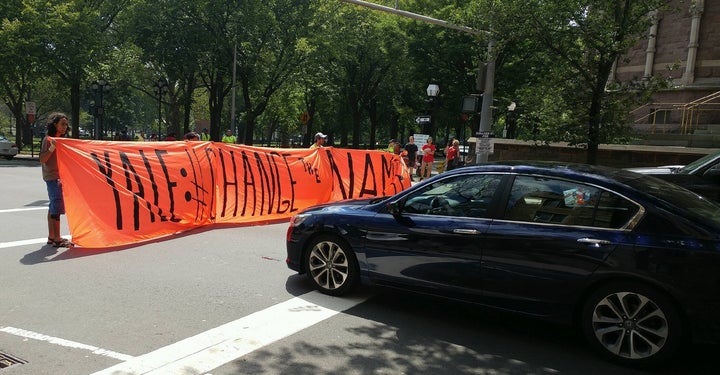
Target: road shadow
410	334
19	162
41	255
48	253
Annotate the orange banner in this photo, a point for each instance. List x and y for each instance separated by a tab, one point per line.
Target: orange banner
119	193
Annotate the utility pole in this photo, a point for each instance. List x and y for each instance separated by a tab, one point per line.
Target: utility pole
486	111
233	122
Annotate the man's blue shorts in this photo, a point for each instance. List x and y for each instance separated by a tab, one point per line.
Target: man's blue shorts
57	204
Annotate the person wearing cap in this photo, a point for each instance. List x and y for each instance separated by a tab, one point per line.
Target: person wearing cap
192	136
319	140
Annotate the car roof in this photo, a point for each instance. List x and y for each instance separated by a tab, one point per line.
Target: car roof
584	172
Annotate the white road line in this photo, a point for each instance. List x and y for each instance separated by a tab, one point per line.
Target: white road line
28	242
63	342
218	346
22	209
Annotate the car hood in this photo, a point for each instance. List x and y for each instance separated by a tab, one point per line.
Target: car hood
665	169
348	203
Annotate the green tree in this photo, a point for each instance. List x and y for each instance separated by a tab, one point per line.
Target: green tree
75	38
272	45
174	38
577	42
20	64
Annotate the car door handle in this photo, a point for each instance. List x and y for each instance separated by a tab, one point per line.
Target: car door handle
466	231
593	241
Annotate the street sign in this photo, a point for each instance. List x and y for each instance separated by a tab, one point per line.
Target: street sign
485	143
30	108
420	139
422	120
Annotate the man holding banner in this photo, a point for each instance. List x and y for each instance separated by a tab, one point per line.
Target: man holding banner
57	125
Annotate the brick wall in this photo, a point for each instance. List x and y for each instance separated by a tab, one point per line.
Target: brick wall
673	36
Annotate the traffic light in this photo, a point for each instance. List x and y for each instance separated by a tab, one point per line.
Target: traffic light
481	78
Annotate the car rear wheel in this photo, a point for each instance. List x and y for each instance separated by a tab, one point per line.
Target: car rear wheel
632	324
331	265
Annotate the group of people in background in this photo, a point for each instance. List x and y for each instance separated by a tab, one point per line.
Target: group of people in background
425	156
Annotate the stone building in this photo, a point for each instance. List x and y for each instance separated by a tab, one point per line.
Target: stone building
683	44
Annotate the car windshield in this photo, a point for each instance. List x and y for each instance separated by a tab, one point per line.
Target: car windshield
697	163
693	205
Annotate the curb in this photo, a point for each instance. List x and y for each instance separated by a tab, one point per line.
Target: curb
35	156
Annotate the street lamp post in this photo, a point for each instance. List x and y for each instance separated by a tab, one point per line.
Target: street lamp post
160	87
511	121
432	92
99	88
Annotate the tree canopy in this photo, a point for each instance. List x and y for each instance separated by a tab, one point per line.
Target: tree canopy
297	67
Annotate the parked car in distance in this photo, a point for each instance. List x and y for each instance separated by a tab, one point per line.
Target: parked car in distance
8	150
630	260
701	176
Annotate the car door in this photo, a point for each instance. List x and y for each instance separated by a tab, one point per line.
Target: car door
433	243
553	234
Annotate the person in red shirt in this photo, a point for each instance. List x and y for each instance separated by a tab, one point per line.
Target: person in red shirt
428	159
452	158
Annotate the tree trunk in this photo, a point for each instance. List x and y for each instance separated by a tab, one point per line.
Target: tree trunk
355	108
75	108
373	117
216	104
595	115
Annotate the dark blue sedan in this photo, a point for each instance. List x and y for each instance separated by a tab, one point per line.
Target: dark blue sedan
631	260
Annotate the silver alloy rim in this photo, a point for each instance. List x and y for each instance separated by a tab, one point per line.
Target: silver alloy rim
630	325
328	265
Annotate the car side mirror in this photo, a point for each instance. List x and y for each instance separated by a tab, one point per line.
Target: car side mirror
395	208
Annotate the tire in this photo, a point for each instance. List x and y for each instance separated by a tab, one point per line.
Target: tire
632	324
332	266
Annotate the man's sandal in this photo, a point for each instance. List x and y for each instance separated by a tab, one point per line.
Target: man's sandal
63	242
50	241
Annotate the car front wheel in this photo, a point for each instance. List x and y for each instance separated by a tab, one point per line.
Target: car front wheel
331	265
632	324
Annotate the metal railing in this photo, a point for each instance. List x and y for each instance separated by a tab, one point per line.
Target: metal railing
691	111
681	117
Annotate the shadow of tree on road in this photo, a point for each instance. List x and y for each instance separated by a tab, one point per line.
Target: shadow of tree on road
409	334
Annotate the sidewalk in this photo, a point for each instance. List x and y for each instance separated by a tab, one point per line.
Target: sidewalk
27	157
433	172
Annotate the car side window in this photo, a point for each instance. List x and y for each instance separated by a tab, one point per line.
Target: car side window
459	196
713	171
548	200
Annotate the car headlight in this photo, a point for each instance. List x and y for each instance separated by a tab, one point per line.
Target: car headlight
298	219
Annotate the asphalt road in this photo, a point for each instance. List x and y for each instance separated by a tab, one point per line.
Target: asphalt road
222	301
